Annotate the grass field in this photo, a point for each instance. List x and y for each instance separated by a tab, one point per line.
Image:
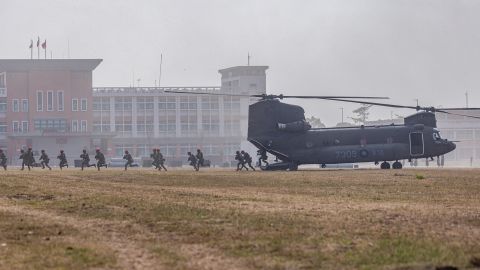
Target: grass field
330	219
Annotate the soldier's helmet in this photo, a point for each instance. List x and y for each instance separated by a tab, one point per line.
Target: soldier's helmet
84	150
126	152
21	151
243	152
238	152
189	153
1	151
61	151
97	150
29	148
43	151
198	150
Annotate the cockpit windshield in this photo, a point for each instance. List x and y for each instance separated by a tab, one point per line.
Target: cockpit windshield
436	135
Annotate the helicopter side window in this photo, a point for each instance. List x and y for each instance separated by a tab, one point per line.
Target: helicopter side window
436	136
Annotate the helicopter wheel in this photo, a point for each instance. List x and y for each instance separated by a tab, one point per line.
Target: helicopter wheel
293	167
397	165
324	166
385	165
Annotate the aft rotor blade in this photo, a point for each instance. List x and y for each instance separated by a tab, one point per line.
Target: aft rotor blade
210	94
458	114
375	103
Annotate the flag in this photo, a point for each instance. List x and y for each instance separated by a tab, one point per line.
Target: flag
44	44
31	44
38	42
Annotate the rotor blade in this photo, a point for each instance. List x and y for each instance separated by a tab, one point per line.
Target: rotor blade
375	103
210	94
458	114
459	109
330	97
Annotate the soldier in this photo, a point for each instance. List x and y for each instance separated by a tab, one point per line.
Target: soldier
25	159
85	159
154	156
129	159
193	161
3	160
30	157
161	161
247	159
263	157
100	157
63	160
241	161
44	160
200	158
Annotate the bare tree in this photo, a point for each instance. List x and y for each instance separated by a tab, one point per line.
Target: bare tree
361	113
315	122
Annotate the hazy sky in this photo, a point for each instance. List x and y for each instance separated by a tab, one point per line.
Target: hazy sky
403	49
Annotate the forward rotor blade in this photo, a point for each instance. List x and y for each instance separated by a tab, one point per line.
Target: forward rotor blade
330	97
375	103
458	114
460	109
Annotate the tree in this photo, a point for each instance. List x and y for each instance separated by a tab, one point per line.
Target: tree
361	114
315	122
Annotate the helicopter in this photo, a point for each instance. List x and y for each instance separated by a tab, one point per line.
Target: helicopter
281	130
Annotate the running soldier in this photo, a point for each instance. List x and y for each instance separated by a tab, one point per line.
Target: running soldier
129	159
247	159
241	161
44	160
63	159
85	159
3	160
25	159
100	157
193	161
154	156
161	161
30	157
200	158
263	157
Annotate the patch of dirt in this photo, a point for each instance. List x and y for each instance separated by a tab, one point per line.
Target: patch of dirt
29	197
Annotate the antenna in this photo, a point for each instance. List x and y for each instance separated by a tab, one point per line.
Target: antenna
248	59
466	99
68	48
160	74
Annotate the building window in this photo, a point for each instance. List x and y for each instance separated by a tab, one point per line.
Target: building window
15	126
24	126
39	101
75	105
188	116
50	101
144	116
15	105
3	127
210	116
84	126
84	105
60	101
59	125
123	115
3	83
3	105
74	125
24	105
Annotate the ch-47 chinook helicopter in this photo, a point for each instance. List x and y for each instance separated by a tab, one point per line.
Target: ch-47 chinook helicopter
281	129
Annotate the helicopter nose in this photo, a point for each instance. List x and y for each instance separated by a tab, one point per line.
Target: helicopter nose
451	146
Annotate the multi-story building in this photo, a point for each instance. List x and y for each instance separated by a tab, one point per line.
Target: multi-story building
50	104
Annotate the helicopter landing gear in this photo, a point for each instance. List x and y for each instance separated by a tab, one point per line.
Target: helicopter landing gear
324	166
293	167
397	165
385	165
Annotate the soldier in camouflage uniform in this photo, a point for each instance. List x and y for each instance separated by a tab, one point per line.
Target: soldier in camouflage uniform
3	160
63	159
44	160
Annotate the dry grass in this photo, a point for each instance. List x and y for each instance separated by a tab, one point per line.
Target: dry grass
331	219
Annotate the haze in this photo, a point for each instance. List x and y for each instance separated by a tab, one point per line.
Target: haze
402	49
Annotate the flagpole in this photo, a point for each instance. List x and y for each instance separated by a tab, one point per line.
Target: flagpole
160	74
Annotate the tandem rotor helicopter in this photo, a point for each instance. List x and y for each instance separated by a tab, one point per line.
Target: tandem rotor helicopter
281	130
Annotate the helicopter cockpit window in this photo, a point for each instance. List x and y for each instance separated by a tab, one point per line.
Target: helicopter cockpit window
436	136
